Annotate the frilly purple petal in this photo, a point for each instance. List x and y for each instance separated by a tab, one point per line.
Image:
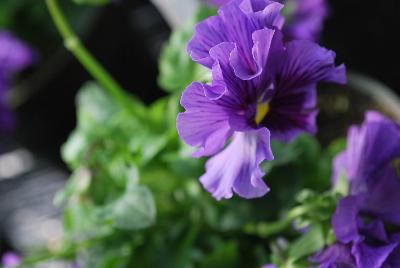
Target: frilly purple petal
236	169
204	124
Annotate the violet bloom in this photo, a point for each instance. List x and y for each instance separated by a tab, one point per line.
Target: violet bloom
304	18
10	259
261	89
360	219
14	57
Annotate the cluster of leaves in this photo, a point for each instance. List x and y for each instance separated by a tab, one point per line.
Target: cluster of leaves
135	192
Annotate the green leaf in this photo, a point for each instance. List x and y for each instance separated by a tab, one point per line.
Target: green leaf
135	209
308	244
318	208
94	106
80	218
73	150
78	184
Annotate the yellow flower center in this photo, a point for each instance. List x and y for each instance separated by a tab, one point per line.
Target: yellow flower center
262	111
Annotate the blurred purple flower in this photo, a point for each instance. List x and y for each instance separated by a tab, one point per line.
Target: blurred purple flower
360	218
261	88
304	18
370	148
10	259
14	57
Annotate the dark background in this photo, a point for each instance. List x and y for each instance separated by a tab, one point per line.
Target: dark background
365	35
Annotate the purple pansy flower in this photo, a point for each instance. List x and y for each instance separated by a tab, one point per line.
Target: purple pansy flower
304	18
14	57
261	89
360	219
10	259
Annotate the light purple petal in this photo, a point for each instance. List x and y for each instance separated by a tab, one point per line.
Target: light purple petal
252	6
222	72
335	256
345	219
240	28
204	124
236	169
264	13
208	34
214	92
371	256
384	197
224	76
262	43
231	25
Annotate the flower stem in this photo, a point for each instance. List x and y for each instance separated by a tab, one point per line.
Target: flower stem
74	45
267	229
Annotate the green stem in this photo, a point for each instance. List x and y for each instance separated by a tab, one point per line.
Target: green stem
267	229
74	45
